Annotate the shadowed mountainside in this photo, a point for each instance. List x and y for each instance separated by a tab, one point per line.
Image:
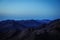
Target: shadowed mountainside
30	30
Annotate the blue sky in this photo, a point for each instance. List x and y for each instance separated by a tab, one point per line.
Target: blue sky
29	9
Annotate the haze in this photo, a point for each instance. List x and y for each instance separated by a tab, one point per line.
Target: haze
29	9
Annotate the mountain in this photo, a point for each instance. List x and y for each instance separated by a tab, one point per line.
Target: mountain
18	30
54	25
24	23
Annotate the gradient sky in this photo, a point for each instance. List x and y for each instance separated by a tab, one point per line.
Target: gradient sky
29	9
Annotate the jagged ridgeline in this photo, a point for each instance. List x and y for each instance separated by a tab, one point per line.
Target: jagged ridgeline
30	30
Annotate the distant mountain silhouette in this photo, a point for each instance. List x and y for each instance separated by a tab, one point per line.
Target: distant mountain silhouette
24	23
30	30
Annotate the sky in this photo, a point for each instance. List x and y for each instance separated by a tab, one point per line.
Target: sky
29	9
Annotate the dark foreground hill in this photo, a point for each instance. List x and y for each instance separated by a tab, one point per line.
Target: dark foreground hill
30	30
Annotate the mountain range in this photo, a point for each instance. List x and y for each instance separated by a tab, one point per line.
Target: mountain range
30	29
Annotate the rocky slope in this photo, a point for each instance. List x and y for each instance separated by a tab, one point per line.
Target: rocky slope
17	30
